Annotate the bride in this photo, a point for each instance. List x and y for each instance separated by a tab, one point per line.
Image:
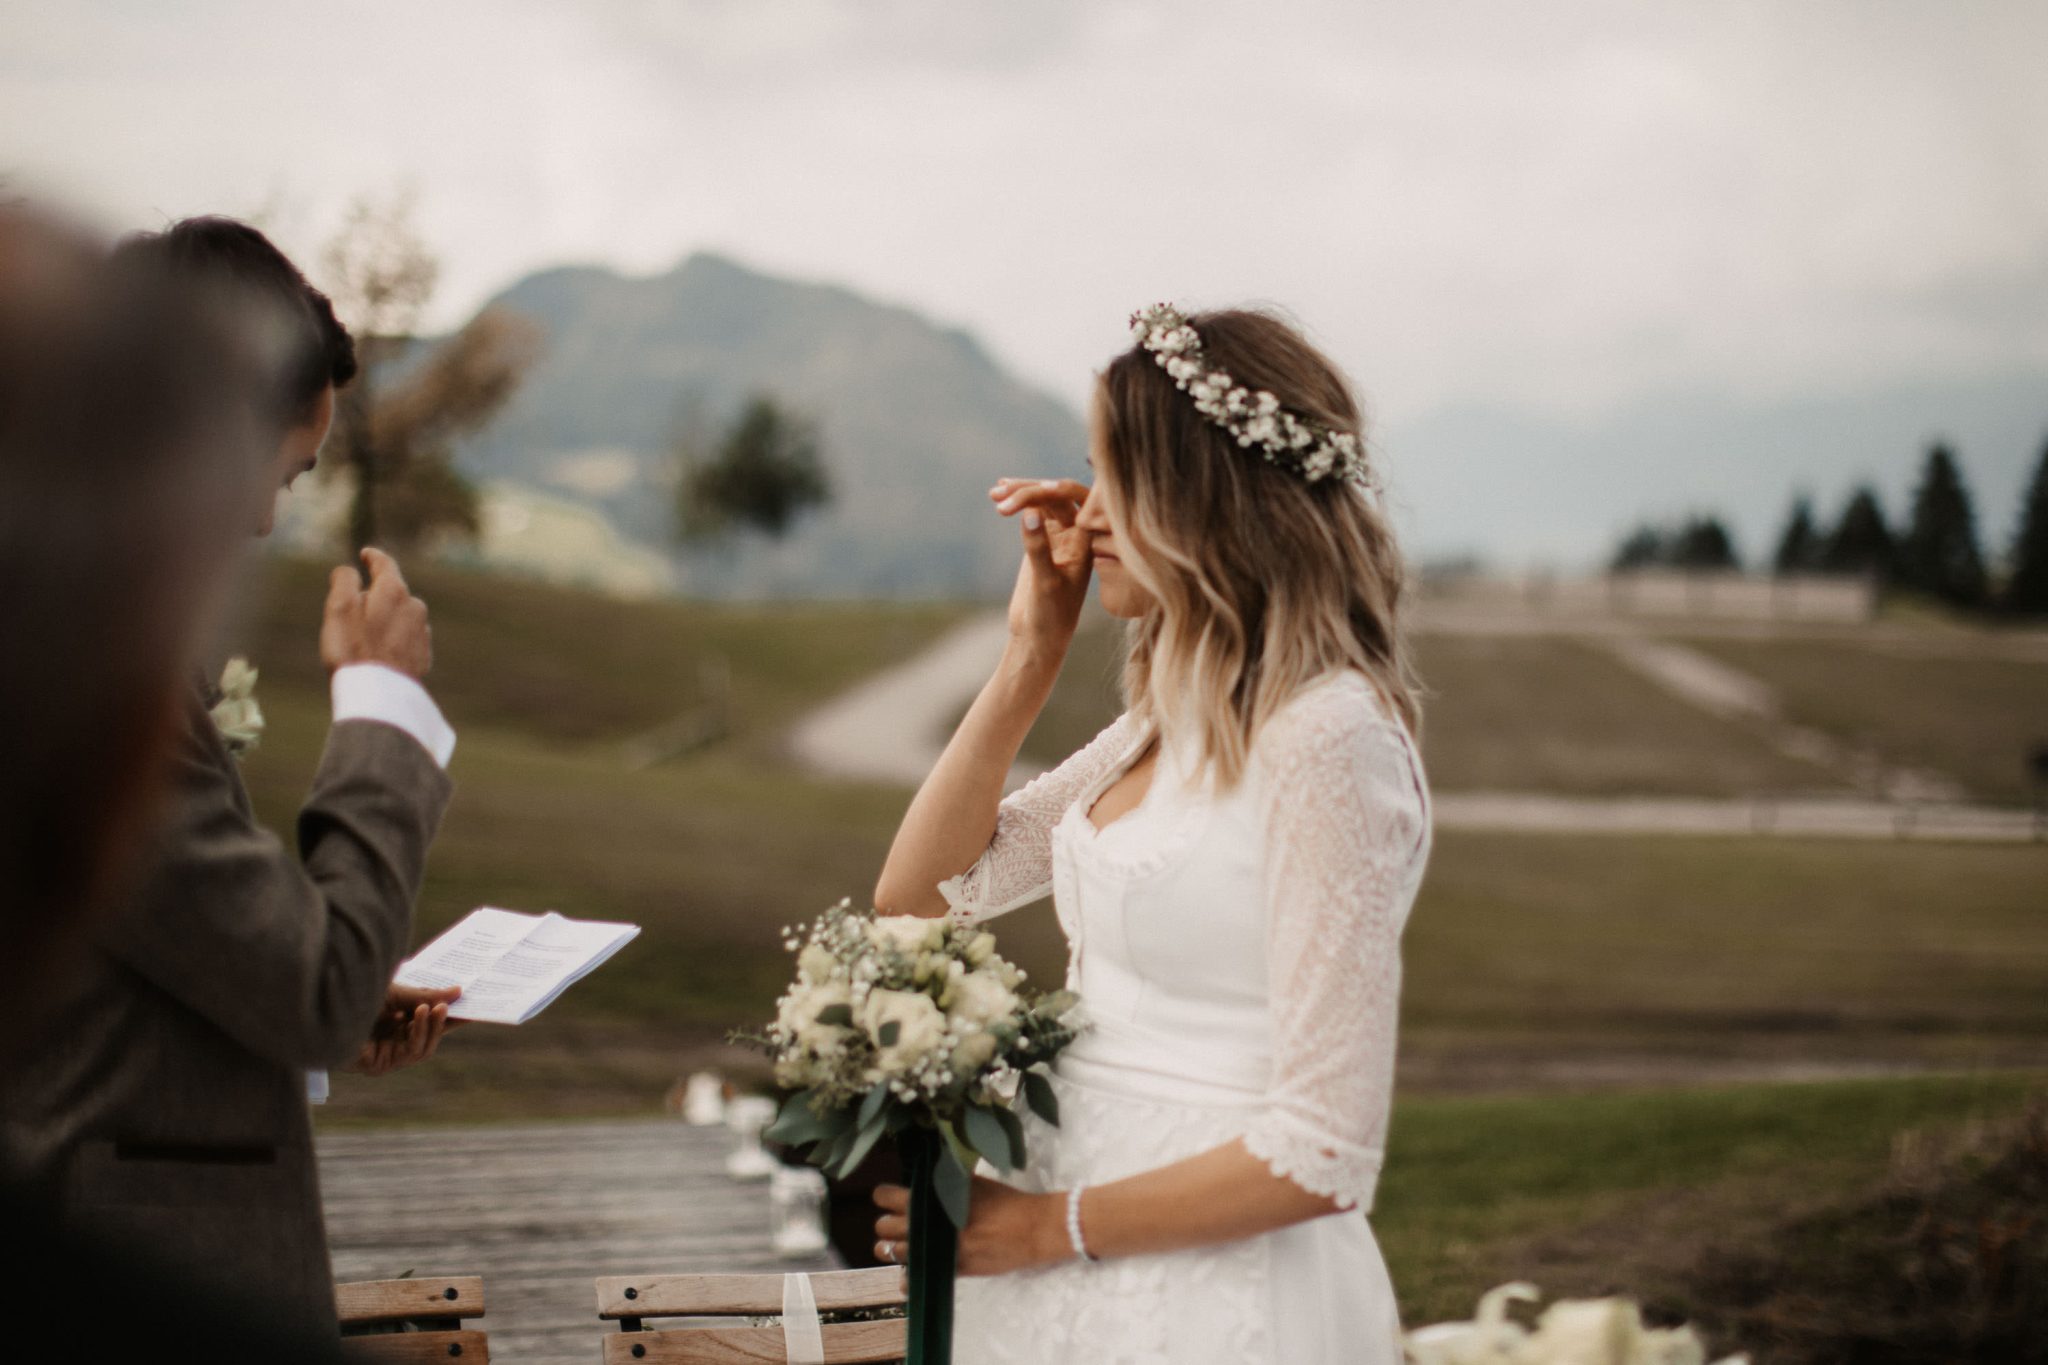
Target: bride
1232	861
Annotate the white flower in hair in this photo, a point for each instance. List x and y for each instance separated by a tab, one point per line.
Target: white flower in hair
1254	419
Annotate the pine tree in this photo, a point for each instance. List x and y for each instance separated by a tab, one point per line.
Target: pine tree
1861	542
1800	547
1939	555
2027	591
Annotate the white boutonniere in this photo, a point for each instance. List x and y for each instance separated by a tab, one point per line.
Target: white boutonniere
236	715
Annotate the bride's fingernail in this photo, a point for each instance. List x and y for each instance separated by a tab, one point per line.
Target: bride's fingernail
1032	520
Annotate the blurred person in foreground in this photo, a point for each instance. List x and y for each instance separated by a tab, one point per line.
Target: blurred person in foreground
164	1099
1232	860
126	441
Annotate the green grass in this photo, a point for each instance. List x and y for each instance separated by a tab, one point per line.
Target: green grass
1973	717
567	667
1527	946
1610	1193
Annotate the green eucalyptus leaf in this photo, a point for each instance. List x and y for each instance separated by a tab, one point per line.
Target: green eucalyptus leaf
962	1151
864	1139
952	1184
1013	1131
872	1102
1039	1094
828	1156
985	1131
796	1123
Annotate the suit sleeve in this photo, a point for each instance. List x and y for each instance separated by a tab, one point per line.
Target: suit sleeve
291	956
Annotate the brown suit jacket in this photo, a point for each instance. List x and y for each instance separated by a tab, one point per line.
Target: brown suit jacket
165	1104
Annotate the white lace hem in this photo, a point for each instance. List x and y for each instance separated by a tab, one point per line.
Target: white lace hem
1322	1165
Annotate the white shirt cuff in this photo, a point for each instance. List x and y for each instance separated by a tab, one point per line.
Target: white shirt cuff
374	692
316	1087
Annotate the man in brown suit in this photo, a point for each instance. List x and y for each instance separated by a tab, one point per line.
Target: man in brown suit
164	1101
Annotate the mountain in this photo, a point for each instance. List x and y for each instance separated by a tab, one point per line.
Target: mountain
915	422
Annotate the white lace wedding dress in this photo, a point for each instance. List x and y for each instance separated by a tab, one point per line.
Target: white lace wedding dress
1238	957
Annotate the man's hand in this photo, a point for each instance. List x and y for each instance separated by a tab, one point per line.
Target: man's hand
408	1029
379	624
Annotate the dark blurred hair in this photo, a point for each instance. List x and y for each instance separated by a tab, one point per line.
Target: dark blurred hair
223	253
127	445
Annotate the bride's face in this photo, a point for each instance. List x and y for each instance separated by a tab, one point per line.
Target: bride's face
1123	596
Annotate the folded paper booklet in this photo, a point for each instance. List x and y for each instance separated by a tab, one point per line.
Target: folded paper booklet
512	966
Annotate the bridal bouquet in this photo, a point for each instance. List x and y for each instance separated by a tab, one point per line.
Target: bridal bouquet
914	1028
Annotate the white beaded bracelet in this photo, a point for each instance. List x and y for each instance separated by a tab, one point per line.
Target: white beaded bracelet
1074	1225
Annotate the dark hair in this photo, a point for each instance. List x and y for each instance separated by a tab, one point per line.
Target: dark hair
221	251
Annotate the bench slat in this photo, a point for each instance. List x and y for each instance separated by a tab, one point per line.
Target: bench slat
675	1296
419	1348
403	1300
846	1343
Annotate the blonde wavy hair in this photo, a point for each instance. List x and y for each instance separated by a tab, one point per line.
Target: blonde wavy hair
1261	582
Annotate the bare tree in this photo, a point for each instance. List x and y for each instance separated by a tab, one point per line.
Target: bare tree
396	437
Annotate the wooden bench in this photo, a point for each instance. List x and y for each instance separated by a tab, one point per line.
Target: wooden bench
427	1315
629	1300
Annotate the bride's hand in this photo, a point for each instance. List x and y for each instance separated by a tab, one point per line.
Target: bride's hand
1006	1229
1052	583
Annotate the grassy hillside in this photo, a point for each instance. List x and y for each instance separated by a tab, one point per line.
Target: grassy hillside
1974	716
1543	959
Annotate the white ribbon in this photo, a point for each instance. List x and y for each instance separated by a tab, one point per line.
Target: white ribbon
803	1340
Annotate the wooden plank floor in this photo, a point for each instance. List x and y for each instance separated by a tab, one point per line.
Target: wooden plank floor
538	1210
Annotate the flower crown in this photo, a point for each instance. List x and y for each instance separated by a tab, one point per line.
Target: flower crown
1256	419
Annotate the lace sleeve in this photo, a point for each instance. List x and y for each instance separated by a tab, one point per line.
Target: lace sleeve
1016	868
1345	827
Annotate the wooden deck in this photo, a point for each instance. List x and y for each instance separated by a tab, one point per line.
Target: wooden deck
539	1210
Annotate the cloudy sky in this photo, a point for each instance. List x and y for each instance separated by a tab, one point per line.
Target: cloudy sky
1549	222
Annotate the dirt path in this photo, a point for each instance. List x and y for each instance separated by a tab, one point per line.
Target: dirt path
892	727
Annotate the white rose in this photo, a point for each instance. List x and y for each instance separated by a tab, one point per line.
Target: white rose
801	1008
980	948
920	1028
981	998
906	934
